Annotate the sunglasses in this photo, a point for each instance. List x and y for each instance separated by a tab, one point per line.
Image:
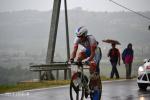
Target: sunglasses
82	36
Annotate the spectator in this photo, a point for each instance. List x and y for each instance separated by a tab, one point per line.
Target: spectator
114	55
127	57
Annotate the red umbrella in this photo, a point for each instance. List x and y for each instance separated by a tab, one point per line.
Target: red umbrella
112	41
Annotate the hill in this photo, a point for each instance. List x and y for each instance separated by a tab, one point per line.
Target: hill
24	34
24	37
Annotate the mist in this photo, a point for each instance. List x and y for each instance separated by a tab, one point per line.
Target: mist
24	36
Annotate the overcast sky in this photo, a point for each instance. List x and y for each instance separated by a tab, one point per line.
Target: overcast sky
90	5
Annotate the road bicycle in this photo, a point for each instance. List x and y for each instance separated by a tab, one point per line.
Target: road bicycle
81	86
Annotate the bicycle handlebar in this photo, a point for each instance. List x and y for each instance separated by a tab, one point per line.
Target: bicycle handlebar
76	63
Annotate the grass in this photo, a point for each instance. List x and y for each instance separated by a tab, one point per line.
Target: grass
35	85
31	85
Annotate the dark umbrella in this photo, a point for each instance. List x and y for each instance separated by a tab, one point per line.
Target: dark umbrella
112	41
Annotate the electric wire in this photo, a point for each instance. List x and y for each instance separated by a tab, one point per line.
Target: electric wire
148	18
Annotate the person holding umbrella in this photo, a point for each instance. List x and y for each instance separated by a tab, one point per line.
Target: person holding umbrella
114	55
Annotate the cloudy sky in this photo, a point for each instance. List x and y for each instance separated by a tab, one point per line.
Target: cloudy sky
90	5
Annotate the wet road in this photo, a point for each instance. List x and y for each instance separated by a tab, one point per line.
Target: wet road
116	90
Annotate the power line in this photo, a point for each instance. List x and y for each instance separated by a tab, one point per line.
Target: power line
130	10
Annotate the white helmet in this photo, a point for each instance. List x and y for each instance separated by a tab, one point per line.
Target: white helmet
81	31
145	60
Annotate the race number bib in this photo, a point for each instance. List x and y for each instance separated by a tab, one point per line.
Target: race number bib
77	82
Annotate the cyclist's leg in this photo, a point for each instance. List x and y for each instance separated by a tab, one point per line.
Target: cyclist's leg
97	95
82	55
92	66
95	85
85	52
98	56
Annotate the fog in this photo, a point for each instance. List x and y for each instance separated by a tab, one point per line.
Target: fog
90	5
24	38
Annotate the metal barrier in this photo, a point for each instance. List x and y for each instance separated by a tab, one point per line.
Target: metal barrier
45	68
48	68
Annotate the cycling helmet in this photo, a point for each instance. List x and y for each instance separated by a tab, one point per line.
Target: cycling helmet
145	60
81	31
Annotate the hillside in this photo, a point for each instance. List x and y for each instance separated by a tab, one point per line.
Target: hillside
24	38
24	34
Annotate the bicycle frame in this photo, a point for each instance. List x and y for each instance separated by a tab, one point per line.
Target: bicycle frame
80	83
81	74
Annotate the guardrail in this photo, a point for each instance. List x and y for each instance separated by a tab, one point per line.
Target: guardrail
53	66
48	68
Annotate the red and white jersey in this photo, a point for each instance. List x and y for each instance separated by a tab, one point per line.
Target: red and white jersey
89	42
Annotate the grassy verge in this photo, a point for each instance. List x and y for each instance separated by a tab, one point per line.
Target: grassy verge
31	85
35	85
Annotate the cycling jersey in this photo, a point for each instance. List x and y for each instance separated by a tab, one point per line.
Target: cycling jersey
89	42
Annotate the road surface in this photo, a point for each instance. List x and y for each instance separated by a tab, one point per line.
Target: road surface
115	90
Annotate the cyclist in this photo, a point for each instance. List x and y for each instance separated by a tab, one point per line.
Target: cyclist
90	52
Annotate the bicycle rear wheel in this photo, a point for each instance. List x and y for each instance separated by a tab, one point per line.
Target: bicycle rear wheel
95	85
76	92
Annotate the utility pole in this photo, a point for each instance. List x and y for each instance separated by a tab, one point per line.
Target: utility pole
67	30
67	37
53	36
53	31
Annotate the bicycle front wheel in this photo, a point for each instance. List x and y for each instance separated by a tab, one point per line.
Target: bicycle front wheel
76	92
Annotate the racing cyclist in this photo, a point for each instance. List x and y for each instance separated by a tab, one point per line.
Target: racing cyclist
91	53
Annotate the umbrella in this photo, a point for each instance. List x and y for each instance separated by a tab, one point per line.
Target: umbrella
111	41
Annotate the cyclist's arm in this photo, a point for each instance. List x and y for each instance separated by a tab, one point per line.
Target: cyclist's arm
75	48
